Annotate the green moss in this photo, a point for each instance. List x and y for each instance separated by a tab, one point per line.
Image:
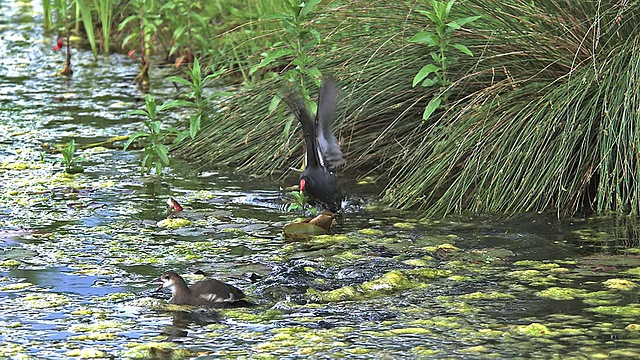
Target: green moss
487	295
154	350
627	311
533	329
404	225
44	300
633	271
10	263
633	327
174	223
558	293
410	331
619	284
16	286
423	262
371	232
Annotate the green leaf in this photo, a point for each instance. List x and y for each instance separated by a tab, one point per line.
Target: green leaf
308	6
431	107
273	105
423	37
163	153
424	72
466	20
194	125
174	103
428	82
179	80
133	138
463	49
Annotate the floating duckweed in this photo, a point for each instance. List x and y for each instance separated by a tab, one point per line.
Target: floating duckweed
94	336
154	350
371	232
424	352
174	223
475	349
404	225
410	331
17	166
309	269
558	293
426	261
619	284
10	263
628	311
16	286
116	296
348	255
442	247
96	327
8	349
423	274
357	351
633	271
494	295
44	300
533	329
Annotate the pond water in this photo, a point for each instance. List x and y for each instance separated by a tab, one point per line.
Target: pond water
78	253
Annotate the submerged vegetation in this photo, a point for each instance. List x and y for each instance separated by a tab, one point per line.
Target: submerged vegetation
541	117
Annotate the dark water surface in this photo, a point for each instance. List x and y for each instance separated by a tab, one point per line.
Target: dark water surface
78	253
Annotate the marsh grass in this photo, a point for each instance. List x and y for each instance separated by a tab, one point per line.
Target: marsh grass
543	117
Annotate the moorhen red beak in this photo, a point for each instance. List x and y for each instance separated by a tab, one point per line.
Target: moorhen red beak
318	180
206	292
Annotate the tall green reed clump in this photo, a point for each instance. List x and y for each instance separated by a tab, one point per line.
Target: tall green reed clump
538	119
543	118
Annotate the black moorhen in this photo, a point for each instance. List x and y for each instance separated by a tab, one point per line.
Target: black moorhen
318	180
205	292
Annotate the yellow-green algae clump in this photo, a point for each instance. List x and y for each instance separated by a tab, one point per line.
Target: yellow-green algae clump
559	293
156	350
392	281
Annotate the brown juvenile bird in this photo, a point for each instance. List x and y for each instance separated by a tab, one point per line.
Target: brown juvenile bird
206	292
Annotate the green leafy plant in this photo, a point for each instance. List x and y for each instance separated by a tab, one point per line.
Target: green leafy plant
144	21
197	100
298	202
69	160
156	153
440	39
298	42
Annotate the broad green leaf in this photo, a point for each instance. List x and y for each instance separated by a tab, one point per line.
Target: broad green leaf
133	138
179	80
194	126
423	37
466	20
163	153
424	72
463	49
428	82
308	6
431	107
